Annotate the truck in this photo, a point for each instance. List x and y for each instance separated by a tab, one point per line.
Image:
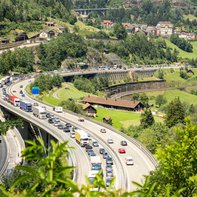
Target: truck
81	137
26	106
14	100
91	176
58	109
39	112
96	163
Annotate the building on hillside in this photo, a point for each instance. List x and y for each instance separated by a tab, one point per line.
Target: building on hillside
4	41
21	37
89	110
129	27
107	24
114	103
46	34
164	28
151	30
187	35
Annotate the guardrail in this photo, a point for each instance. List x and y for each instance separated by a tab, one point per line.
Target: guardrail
4	168
19	137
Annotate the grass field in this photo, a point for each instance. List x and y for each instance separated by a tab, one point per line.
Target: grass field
69	91
184	54
190	17
120	118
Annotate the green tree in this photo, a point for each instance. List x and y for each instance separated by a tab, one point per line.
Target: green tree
160	100
119	31
147	119
175	113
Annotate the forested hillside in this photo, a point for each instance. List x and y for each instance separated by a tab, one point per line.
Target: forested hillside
20	10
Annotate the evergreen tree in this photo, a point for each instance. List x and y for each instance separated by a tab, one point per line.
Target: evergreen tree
119	31
147	119
175	113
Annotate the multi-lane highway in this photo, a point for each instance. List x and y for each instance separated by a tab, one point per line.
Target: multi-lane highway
143	162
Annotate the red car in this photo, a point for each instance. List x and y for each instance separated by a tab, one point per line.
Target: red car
121	150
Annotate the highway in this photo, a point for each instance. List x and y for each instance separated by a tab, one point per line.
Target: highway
124	174
3	155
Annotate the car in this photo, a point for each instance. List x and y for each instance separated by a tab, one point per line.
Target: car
103	130
81	119
110	141
108	181
66	129
60	126
95	143
88	147
123	143
108	166
109	160
129	161
21	86
21	92
23	95
35	104
109	172
68	124
91	154
55	124
121	150
50	120
89	151
14	91
57	120
105	155
101	150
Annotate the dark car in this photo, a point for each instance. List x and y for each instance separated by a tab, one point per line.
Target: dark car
51	120
48	115
108	181
108	166
60	126
105	155
123	143
21	92
91	153
68	124
101	150
109	160
66	129
88	147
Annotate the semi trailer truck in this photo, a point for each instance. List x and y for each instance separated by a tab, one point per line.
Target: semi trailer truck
81	137
14	100
39	112
26	106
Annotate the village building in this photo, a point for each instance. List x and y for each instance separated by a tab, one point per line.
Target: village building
4	41
114	103
164	28
129	27
89	110
151	30
187	35
21	37
107	24
46	34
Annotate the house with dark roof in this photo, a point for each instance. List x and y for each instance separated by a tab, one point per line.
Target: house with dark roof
114	103
89	110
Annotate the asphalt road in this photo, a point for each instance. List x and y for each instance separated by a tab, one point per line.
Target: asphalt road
124	174
3	152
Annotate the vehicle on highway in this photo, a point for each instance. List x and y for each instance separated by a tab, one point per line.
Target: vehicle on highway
109	160
109	172
21	92
96	163
95	143
21	86
68	124
25	106
81	137
108	181
103	130
91	153
51	120
60	126
58	109
35	104
72	134
56	119
129	160
23	95
81	119
39	112
108	166
123	143
121	150
101	150
110	141
105	155
14	100
56	123
66	129
91	176
48	115
88	147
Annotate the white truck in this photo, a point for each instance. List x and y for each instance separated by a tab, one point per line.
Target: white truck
81	137
39	112
58	109
96	163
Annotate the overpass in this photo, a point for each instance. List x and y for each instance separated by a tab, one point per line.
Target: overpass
123	174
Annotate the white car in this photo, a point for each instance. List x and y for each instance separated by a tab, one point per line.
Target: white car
129	161
110	141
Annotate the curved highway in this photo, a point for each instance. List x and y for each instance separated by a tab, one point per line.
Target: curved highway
125	174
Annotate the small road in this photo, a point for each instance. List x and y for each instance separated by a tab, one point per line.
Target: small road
3	152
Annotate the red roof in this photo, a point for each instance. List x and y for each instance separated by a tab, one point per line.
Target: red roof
110	102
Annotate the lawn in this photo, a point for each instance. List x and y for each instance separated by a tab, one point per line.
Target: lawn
190	17
69	91
120	118
184	54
